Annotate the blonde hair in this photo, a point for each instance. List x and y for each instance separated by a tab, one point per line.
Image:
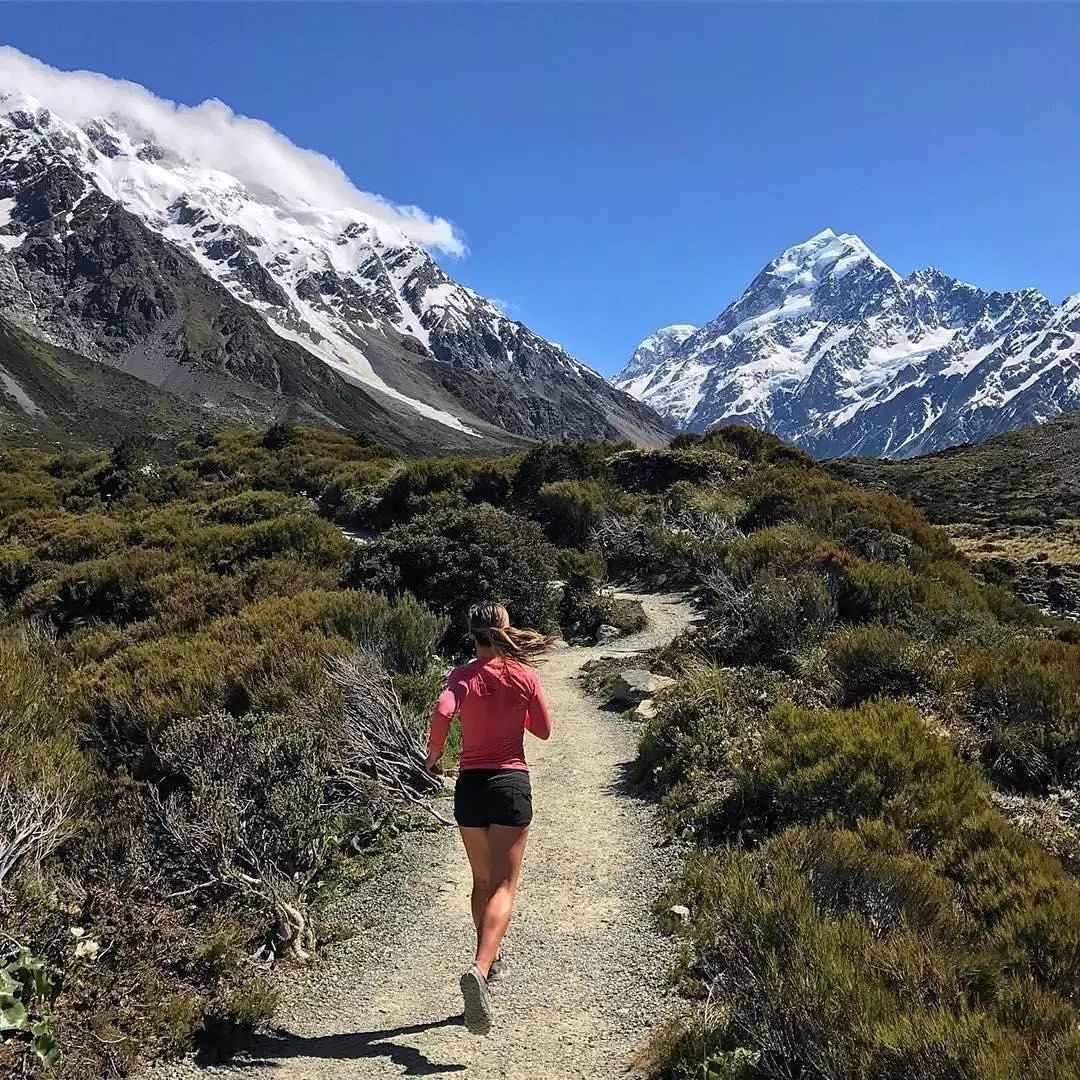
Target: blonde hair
489	624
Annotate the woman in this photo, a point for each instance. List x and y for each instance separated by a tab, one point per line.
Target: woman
498	697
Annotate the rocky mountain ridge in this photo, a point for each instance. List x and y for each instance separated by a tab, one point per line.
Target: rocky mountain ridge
833	350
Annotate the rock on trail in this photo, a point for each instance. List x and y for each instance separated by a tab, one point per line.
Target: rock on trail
587	980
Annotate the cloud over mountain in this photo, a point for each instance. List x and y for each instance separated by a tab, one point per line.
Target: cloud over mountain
211	135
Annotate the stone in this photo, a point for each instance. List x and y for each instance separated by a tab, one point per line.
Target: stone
681	912
607	634
646	709
636	685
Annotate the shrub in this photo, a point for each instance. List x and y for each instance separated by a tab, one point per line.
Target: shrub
786	549
879	592
703	728
263	659
443	483
876	525
876	661
751	444
115	590
768	621
888	922
247	507
456	558
830	956
1028	712
572	510
876	760
583	570
549	462
17	572
260	827
280	435
655	471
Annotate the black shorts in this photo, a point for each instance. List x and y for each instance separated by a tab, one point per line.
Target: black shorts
484	797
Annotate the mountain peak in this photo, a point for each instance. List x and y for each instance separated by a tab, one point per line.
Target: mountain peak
333	295
655	349
824	254
676	333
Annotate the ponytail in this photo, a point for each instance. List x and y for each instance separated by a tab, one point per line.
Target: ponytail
489	624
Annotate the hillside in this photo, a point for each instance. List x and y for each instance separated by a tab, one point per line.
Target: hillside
1025	477
1011	503
867	760
51	397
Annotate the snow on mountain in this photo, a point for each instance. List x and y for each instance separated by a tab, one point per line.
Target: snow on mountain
830	348
654	350
340	273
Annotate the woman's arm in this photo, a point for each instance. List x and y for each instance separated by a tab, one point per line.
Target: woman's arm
441	716
537	717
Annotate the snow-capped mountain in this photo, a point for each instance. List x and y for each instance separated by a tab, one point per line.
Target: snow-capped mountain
830	348
125	240
655	349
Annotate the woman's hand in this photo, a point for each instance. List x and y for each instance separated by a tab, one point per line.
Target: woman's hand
432	764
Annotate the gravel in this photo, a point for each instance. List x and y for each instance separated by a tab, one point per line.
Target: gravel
587	982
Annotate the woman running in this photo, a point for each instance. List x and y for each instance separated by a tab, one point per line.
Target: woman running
498	697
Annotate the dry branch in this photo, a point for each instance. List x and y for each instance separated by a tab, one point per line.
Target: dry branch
33	823
372	739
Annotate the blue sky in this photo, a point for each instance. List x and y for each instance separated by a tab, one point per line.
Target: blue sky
616	168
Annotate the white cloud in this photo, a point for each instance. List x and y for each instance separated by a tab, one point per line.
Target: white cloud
213	136
507	307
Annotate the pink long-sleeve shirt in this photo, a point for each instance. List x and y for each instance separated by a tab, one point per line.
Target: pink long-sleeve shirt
498	701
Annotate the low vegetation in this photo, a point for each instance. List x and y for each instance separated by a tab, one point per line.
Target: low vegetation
856	726
1012	504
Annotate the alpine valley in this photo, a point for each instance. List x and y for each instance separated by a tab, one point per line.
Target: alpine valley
122	245
834	351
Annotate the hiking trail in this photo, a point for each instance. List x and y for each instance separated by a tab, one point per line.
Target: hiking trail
587	966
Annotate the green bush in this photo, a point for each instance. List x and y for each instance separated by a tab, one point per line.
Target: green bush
549	462
1027	709
263	659
878	661
786	549
887	922
432	484
247	507
881	593
455	558
571	510
876	525
655	471
831	956
115	590
751	444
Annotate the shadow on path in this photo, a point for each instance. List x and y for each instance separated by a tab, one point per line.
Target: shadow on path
268	1050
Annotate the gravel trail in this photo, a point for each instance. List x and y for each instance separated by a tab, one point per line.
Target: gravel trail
587	966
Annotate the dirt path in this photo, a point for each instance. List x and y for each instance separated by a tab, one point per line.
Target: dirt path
587	967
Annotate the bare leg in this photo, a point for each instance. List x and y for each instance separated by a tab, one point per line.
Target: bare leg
479	852
506	845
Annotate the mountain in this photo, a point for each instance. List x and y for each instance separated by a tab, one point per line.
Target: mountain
655	349
54	398
1023	477
123	240
833	350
